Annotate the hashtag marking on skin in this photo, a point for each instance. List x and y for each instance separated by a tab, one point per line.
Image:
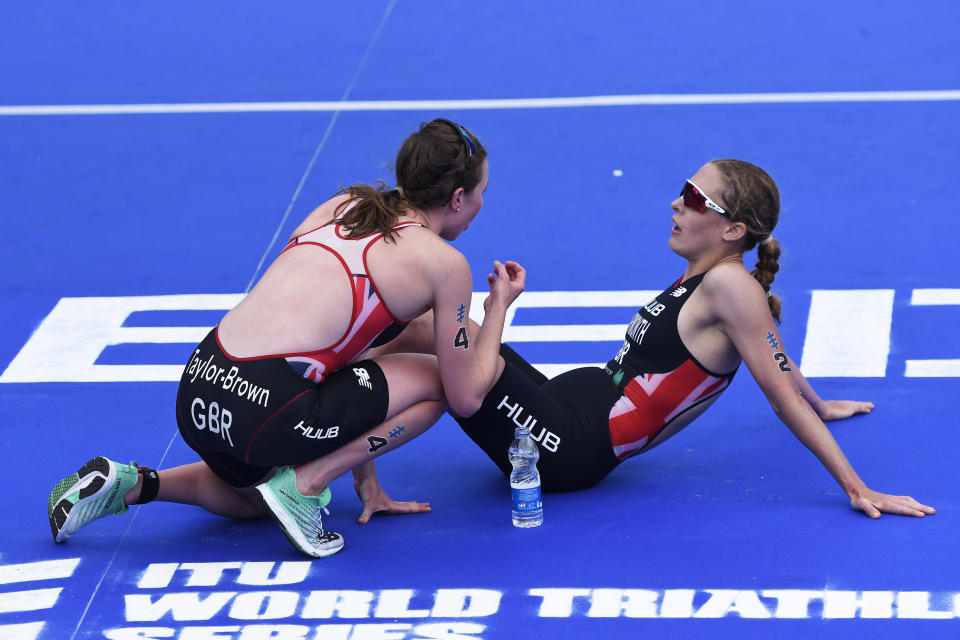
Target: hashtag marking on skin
772	340
462	310
396	432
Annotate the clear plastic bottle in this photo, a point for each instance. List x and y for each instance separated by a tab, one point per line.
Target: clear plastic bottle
525	480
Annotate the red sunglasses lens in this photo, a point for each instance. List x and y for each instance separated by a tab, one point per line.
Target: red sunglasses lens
693	198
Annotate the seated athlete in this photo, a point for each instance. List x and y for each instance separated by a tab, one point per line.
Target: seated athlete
680	353
280	383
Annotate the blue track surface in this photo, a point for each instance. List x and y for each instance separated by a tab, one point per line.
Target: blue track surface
730	530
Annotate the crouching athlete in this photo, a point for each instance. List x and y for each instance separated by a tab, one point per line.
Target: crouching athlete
281	382
680	352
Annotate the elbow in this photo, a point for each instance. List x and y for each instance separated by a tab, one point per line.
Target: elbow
777	406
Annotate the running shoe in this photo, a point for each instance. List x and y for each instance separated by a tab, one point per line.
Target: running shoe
299	515
96	490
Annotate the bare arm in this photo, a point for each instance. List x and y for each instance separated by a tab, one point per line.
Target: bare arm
740	307
469	354
827	409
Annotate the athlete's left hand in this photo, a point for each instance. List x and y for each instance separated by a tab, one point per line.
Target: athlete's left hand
840	409
375	500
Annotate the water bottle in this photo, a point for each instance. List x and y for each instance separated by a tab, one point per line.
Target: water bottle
525	480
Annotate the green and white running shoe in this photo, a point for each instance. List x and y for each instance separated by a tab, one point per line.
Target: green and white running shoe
94	491
299	515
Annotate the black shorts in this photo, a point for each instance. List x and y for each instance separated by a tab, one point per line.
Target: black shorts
245	417
567	415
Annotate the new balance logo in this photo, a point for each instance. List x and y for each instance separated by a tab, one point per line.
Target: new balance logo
679	291
363	377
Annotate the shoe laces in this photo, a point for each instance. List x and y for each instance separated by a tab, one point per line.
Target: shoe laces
318	531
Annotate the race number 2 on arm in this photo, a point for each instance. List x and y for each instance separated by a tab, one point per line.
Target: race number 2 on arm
742	311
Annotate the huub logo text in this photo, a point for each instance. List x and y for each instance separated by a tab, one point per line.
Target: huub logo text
317	433
548	439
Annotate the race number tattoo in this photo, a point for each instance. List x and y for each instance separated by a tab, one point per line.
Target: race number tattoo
782	361
376	443
460	341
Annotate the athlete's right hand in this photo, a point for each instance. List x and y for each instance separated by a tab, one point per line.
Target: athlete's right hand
376	500
874	503
506	283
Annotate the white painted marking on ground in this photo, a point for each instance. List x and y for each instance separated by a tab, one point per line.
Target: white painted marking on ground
69	340
26	631
483	104
629	298
45	570
934	368
935	297
551	370
848	333
949	368
565	333
32	600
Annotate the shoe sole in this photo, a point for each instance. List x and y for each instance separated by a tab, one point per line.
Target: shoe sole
290	528
88	481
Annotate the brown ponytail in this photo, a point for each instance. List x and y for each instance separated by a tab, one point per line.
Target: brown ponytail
752	198
765	271
431	165
376	212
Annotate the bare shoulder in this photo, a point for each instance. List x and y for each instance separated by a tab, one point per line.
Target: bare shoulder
321	215
731	278
732	289
440	261
426	243
442	255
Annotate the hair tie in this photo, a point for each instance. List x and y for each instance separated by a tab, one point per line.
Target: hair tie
766	240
